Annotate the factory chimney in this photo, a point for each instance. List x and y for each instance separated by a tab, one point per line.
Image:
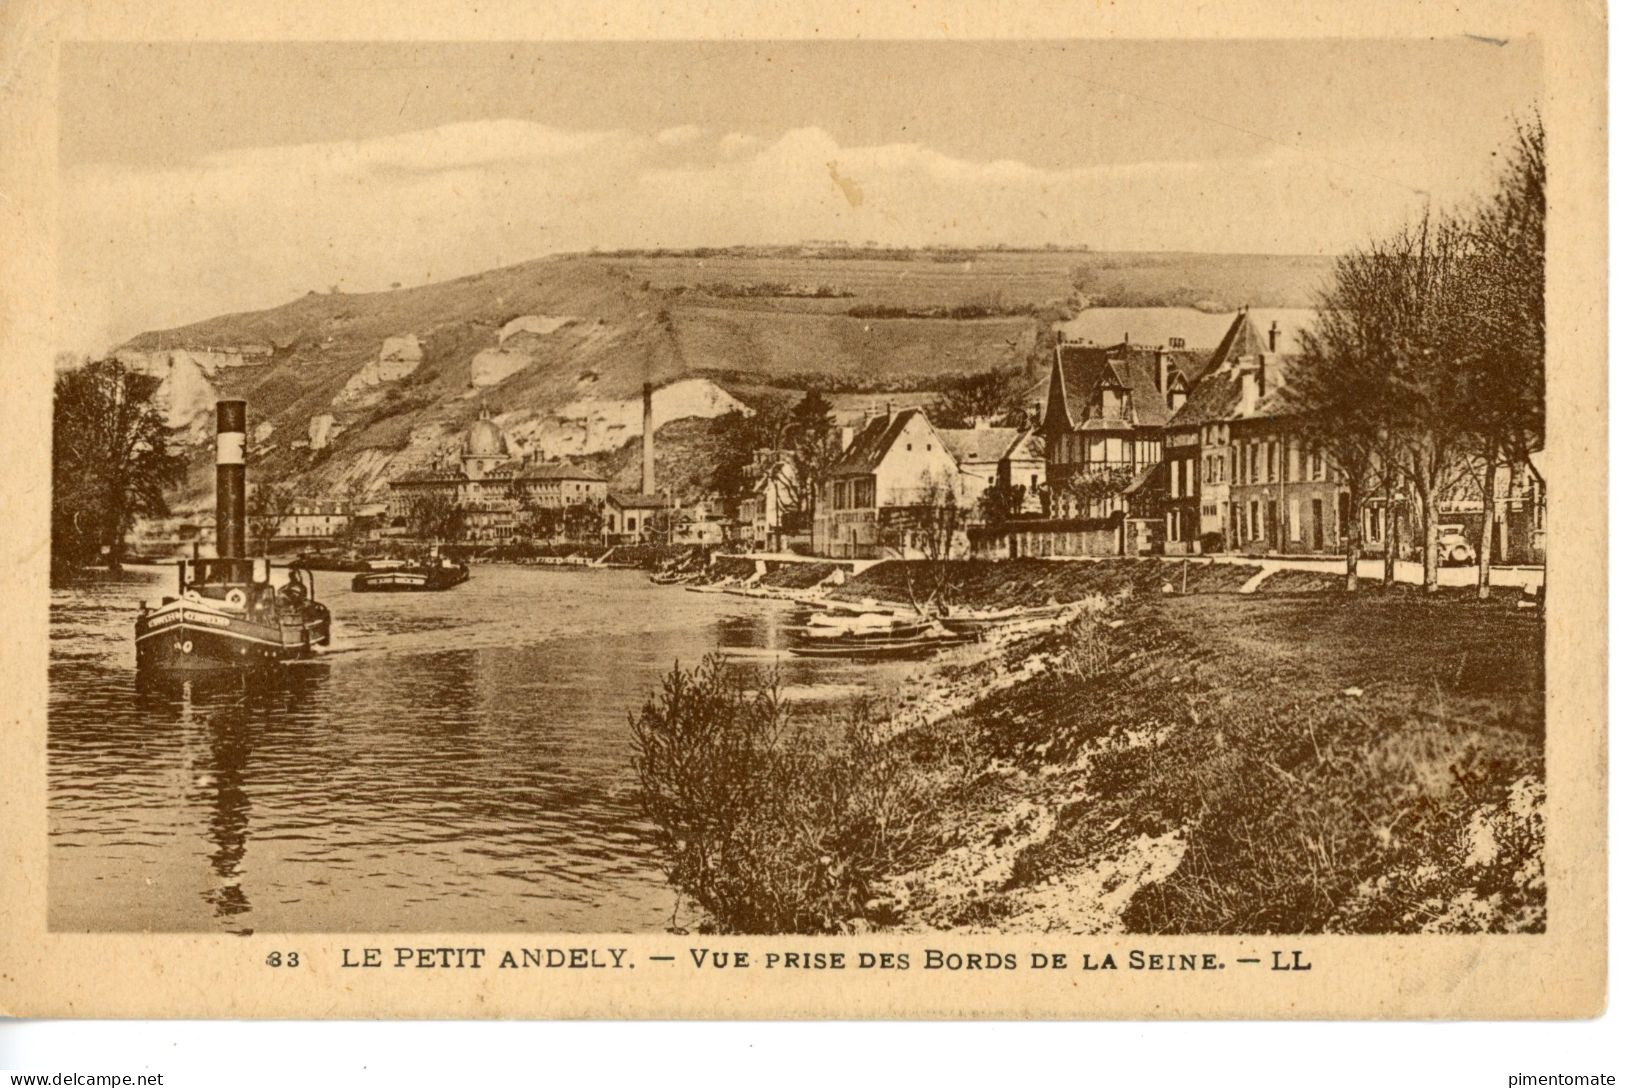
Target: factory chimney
230	444
648	439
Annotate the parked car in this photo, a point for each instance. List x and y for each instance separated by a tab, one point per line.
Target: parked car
1455	550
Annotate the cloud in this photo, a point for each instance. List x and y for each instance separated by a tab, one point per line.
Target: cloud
251	228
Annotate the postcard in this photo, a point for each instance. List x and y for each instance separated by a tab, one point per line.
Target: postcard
892	514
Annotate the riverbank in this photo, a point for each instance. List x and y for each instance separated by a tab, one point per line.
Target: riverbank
1151	749
1227	763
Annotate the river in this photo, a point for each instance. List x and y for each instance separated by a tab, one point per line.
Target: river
457	762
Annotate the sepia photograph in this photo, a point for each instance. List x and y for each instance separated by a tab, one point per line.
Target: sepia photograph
578	513
931	492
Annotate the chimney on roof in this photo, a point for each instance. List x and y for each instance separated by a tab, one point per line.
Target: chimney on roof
1275	332
1164	364
648	438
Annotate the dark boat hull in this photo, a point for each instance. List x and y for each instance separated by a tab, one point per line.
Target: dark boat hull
202	641
876	649
407	580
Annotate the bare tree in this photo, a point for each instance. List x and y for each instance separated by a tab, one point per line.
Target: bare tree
1500	335
269	508
930	524
1379	386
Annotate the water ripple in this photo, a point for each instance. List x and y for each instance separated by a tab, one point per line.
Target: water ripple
457	762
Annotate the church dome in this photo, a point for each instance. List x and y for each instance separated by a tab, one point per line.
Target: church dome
484	439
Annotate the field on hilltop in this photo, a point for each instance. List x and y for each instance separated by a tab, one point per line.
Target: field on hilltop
1011	279
333	416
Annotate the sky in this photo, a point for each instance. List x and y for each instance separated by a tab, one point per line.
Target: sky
199	179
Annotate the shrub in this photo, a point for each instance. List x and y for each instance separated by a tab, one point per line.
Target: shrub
770	828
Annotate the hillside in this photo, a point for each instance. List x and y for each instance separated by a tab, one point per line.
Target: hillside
345	390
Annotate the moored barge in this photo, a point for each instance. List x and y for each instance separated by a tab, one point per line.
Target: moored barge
397	575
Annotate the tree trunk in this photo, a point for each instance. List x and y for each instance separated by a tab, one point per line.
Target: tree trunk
1390	545
1351	547
115	552
1486	540
1428	505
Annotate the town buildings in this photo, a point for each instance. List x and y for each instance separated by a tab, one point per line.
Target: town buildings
313	518
907	488
486	494
768	517
1105	418
637	519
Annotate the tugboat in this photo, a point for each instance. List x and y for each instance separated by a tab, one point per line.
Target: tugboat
228	612
396	575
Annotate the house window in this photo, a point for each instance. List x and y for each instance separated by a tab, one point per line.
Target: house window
1254	527
1272	453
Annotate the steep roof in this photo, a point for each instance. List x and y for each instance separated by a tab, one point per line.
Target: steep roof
430	476
1217	392
1084	368
627	501
1218	396
1028	446
1241	338
559	471
978	444
870	446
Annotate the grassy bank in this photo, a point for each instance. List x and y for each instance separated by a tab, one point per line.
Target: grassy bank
1263	764
1210	762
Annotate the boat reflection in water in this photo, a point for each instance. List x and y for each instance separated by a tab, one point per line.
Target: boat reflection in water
225	712
454	762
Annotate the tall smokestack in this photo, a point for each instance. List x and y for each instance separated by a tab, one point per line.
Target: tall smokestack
230	444
648	438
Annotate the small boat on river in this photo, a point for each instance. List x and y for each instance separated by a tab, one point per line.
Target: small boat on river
874	635
399	575
231	612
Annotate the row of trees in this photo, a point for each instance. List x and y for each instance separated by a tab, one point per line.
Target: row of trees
1427	357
